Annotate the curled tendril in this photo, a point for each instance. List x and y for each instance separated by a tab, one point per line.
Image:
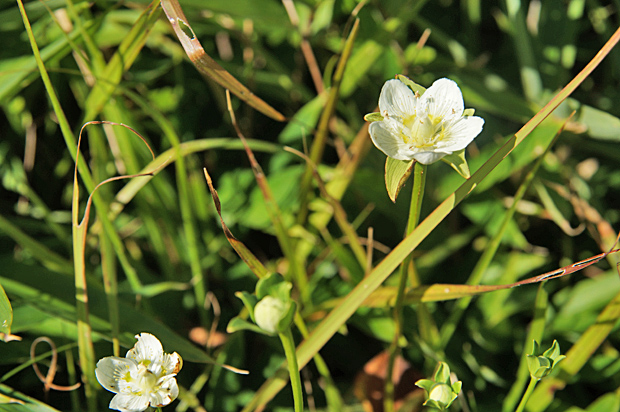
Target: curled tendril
51	372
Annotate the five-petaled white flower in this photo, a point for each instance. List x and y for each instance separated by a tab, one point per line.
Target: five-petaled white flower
425	128
145	376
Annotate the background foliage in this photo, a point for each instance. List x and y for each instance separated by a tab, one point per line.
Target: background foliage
166	249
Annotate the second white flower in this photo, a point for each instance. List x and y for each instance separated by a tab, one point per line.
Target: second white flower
425	128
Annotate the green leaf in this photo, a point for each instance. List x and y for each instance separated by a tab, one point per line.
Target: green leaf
598	124
469	112
6	315
373	117
287	319
457	161
249	301
443	373
322	16
236	324
396	174
425	384
411	84
610	402
265	286
362	60
304	121
13	401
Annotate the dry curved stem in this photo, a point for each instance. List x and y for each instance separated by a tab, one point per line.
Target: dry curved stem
80	230
51	372
111	179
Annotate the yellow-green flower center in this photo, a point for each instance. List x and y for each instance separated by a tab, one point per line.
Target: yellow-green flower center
144	381
422	131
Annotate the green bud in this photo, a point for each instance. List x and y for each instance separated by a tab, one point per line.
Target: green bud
440	393
540	365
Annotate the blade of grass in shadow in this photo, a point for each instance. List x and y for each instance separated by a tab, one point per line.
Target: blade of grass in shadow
18	183
47	257
14	73
209	67
129	191
530	77
110	285
338	317
483	263
22	402
297	273
338	212
121	61
343	174
535	333
576	357
306	48
199	281
320	137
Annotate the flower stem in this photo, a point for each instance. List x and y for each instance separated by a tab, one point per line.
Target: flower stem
293	369
417	195
527	394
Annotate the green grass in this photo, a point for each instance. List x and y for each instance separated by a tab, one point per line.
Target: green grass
302	193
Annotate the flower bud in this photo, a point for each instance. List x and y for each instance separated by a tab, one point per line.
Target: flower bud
440	392
541	365
269	312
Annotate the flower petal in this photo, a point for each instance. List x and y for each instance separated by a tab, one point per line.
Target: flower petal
148	348
426	158
129	403
172	363
397	99
110	370
444	99
462	132
385	136
167	393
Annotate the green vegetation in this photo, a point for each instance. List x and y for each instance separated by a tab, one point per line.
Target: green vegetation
207	192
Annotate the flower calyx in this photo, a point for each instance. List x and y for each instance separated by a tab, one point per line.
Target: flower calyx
440	392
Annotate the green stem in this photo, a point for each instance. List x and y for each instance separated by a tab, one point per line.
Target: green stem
293	369
417	195
527	394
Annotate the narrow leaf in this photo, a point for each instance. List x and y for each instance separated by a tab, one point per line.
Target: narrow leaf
396	174
209	67
6	318
244	253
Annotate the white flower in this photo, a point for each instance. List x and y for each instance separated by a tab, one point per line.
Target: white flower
145	376
425	128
